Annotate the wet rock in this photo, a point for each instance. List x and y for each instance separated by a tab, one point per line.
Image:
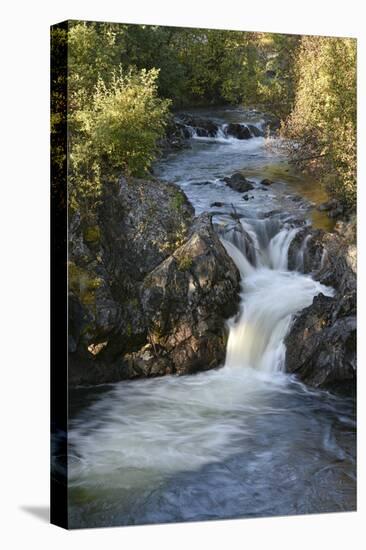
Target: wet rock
239	131
239	183
152	274
176	135
202	126
254	130
332	207
321	345
217	204
267	182
187	298
328	205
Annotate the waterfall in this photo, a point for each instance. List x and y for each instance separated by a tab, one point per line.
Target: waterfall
270	295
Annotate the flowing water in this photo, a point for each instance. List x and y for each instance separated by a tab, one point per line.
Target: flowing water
243	440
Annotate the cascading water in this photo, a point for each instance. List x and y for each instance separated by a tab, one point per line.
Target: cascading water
242	440
270	296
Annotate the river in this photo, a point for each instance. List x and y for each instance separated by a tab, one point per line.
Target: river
245	440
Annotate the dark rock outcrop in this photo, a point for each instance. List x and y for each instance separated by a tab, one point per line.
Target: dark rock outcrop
254	130
239	131
185	300
203	127
239	183
176	137
321	345
150	286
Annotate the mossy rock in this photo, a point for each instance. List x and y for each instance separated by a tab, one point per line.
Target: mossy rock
185	263
92	234
83	283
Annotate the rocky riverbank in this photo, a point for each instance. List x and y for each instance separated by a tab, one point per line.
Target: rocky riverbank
321	345
150	286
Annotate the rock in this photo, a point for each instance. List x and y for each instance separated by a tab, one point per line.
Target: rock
328	205
217	204
332	207
255	132
239	131
267	182
239	183
306	251
245	197
176	135
187	298
149	264
321	349
339	211
321	345
202	126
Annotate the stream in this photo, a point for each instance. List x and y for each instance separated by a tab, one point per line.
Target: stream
244	440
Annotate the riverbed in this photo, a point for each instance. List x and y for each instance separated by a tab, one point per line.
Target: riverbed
244	440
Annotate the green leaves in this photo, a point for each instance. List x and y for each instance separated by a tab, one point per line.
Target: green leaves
323	121
115	116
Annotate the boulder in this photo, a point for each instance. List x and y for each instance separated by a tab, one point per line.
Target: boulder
254	130
176	135
142	270
332	207
239	131
186	300
267	182
239	183
328	205
203	127
321	344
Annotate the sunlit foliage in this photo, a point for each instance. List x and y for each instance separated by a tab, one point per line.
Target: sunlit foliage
122	77
323	120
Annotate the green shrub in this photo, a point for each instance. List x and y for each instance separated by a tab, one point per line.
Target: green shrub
115	131
323	121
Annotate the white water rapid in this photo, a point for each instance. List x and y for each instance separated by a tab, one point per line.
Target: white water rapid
242	440
270	296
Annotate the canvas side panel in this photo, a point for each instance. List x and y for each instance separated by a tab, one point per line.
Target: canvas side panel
59	508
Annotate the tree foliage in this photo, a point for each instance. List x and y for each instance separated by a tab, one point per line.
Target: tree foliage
115	131
115	114
322	124
121	79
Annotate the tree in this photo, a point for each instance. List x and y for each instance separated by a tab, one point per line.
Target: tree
322	125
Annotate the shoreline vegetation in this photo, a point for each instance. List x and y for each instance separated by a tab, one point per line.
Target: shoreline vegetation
124	81
135	245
